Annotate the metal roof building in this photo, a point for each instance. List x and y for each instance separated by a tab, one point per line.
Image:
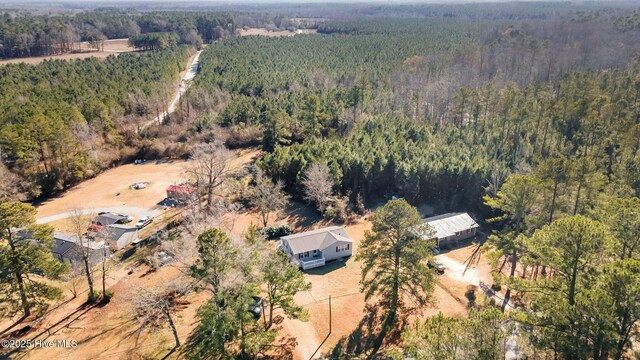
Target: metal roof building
452	227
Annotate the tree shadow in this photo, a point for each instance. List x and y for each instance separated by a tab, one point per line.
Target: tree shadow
328	267
49	331
103	332
302	216
170	353
18	322
283	349
362	338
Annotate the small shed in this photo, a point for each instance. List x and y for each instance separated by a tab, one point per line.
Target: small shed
181	193
452	227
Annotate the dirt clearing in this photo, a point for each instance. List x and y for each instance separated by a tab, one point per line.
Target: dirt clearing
340	280
265	32
111	47
112	188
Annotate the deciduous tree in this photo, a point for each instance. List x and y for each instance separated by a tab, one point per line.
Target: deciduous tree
154	307
79	222
267	196
318	185
210	169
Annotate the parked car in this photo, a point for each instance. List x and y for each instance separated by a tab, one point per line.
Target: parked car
436	264
128	217
143	221
257	306
169	202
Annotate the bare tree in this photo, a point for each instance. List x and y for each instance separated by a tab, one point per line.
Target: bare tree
103	235
80	221
154	307
73	279
318	185
267	196
210	168
11	187
497	176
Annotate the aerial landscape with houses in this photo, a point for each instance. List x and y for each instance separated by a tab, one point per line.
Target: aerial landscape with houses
320	181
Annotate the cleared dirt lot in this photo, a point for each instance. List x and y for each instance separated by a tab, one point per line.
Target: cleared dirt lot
265	32
112	188
111	47
110	191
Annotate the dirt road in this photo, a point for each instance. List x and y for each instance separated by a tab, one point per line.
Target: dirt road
185	82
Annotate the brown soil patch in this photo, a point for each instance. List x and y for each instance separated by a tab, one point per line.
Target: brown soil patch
112	188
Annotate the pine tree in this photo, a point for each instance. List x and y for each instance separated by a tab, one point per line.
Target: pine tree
394	267
24	248
283	280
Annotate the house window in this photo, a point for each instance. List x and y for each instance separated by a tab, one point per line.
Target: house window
306	254
342	248
315	252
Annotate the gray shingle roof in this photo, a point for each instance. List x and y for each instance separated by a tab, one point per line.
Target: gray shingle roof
316	239
65	241
108	219
116	231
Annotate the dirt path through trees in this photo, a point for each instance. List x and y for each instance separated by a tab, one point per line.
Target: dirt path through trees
185	82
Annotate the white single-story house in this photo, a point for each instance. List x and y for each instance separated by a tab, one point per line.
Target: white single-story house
68	249
313	248
451	227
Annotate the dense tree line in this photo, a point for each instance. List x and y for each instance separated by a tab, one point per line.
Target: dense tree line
507	128
456	112
31	35
57	115
153	41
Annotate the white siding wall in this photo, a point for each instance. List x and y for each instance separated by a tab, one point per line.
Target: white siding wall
331	254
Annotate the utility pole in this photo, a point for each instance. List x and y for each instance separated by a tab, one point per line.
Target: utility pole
327	337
